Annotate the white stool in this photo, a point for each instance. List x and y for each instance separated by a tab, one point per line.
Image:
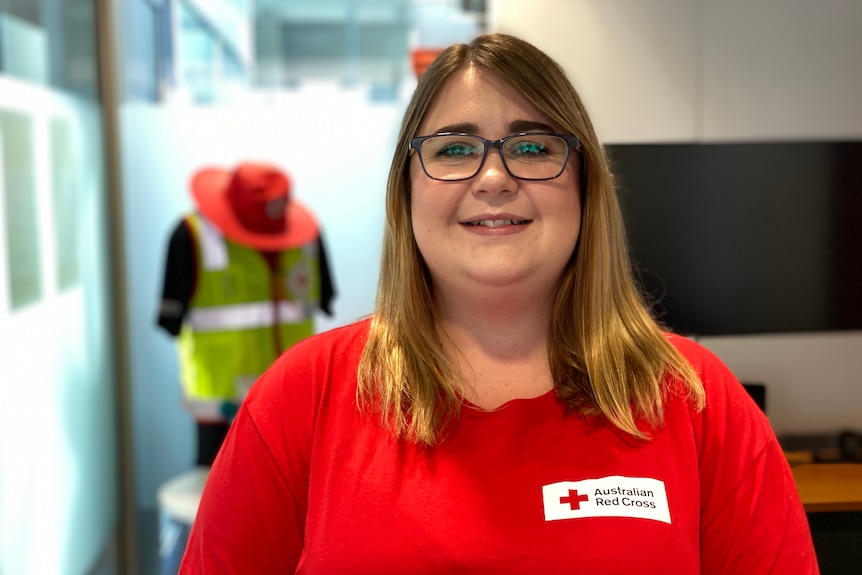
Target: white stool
178	500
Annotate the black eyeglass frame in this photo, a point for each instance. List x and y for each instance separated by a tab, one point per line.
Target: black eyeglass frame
572	141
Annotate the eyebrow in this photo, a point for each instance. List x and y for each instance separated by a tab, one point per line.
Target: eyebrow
514	128
529	126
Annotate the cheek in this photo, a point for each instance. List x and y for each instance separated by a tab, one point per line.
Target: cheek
569	223
431	204
577	216
565	205
427	225
575	206
418	207
421	214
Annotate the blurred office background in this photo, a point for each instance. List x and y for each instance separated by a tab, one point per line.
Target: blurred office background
108	106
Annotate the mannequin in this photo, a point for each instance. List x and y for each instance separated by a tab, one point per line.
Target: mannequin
244	274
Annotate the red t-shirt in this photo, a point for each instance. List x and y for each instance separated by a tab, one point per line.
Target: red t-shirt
306	483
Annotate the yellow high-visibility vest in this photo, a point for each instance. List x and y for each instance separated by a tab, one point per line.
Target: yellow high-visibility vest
241	316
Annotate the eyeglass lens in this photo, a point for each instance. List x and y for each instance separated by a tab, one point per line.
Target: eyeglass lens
526	156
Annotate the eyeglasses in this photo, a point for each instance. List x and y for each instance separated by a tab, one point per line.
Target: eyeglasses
527	156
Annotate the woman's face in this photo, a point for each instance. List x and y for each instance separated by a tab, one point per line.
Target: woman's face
493	230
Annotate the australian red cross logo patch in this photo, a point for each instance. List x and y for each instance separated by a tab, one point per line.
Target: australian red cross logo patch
612	496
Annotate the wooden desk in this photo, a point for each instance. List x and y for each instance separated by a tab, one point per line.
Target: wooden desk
829	486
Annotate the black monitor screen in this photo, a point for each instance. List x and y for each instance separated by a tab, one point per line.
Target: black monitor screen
746	238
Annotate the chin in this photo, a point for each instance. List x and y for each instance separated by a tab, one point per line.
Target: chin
500	277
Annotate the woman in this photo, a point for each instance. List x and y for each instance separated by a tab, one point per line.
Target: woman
511	406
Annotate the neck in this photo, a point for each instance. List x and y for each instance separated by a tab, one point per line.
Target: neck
498	344
495	311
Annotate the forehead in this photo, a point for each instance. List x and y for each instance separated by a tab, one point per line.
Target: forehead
482	101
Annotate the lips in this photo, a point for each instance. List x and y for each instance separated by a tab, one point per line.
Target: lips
496	223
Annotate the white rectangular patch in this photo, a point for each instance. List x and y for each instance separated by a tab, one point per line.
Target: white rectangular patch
613	496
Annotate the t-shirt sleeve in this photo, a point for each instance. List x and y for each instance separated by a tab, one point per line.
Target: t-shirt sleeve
752	519
251	518
179	279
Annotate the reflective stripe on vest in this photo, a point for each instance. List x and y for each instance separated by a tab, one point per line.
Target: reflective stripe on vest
245	316
212	410
213	249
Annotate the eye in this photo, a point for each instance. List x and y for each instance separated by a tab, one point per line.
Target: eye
536	148
455	149
527	148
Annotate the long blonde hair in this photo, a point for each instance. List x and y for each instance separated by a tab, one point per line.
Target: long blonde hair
607	355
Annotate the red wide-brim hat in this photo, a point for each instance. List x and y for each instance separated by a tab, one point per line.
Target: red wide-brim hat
209	187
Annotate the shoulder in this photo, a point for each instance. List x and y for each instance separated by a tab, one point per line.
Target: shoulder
714	373
700	357
337	344
730	414
181	232
718	380
314	363
313	377
745	481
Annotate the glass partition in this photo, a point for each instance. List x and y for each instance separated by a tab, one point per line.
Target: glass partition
51	43
17	166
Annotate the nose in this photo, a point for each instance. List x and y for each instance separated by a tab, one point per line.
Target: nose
493	176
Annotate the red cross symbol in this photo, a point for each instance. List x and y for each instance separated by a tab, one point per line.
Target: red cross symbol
574	500
298	282
301	280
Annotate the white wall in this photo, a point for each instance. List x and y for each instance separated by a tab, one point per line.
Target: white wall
813	380
734	70
634	62
781	69
684	70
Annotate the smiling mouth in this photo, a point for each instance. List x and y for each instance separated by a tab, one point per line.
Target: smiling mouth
497	223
